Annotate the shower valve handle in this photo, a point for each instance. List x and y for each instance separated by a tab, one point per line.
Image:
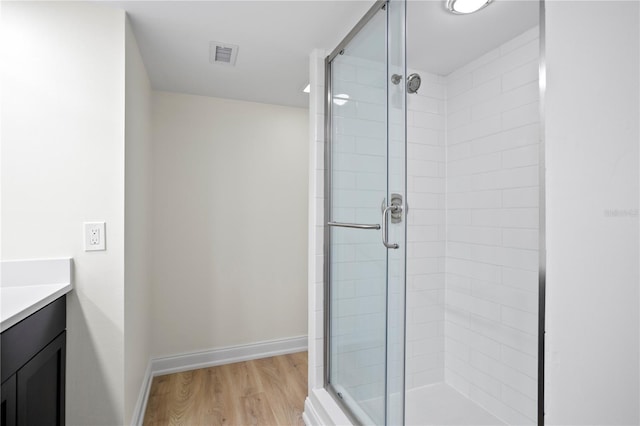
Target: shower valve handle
385	227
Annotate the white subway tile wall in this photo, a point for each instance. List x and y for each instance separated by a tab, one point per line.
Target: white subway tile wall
491	301
426	248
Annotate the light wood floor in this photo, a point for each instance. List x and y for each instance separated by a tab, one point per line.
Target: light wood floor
268	391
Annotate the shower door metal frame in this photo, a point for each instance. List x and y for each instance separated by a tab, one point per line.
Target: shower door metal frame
542	226
377	6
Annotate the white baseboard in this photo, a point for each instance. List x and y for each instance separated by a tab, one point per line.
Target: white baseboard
211	358
228	355
143	397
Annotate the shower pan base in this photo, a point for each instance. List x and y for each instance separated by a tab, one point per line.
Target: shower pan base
440	404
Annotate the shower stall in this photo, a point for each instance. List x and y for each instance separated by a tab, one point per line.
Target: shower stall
427	297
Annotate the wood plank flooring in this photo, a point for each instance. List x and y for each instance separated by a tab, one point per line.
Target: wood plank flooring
268	391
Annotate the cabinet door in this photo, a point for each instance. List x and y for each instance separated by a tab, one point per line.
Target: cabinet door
8	402
40	386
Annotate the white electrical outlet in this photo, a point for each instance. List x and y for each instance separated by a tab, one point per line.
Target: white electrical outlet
94	236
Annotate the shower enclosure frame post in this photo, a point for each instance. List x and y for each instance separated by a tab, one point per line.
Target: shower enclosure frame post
542	242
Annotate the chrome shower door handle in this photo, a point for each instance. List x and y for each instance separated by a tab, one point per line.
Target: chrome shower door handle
385	227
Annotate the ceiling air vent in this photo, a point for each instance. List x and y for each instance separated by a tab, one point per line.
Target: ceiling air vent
222	53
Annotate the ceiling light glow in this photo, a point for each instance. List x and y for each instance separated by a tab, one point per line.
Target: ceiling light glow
307	88
464	7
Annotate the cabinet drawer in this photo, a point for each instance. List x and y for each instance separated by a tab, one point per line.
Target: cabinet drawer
21	342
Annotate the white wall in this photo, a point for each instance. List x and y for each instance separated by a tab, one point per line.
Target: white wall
137	205
63	79
493	132
592	99
229	218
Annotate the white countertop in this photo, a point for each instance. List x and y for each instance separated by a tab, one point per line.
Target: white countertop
29	285
17	303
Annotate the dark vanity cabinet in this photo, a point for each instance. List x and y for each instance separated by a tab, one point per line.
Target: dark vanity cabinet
9	405
33	368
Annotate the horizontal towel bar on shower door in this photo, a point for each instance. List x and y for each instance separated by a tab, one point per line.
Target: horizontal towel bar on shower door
354	225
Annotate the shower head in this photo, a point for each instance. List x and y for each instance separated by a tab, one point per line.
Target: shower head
413	82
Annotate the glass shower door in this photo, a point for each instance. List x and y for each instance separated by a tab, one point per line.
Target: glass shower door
366	218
